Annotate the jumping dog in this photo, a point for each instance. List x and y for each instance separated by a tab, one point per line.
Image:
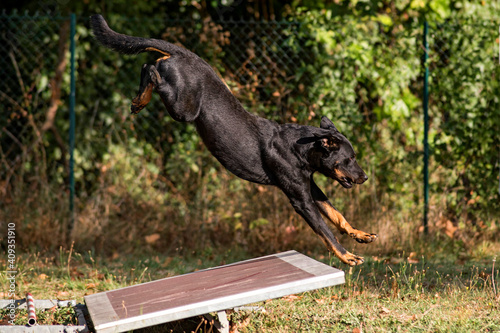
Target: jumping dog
251	147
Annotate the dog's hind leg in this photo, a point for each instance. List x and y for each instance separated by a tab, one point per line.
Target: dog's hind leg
332	215
145	90
152	80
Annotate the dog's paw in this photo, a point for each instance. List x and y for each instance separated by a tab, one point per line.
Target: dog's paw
351	259
363	237
136	108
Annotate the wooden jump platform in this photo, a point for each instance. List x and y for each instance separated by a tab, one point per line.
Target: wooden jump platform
208	290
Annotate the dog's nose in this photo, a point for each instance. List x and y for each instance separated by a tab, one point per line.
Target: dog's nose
363	178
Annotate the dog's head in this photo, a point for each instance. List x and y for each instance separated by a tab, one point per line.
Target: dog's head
334	156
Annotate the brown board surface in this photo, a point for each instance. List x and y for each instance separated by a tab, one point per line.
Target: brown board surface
208	290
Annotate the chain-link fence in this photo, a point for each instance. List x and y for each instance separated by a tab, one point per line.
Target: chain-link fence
33	88
366	79
257	56
34	116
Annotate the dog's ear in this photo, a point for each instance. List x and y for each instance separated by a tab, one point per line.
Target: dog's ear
327	140
328	143
327	124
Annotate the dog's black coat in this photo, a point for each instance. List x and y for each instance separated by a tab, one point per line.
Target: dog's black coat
251	147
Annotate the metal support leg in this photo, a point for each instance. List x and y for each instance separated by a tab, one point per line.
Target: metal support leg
223	322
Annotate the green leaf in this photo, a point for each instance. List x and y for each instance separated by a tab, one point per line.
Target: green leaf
384	19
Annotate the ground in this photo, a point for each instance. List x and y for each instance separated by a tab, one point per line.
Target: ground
404	293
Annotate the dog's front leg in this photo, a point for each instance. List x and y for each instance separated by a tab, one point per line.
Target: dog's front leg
304	205
333	215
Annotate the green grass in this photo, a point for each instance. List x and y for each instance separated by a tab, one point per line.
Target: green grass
390	294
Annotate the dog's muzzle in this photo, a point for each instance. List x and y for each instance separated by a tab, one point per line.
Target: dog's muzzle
348	182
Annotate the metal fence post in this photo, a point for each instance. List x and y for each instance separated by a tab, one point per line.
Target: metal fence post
72	130
426	128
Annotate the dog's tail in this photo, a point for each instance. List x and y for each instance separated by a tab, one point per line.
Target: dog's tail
129	44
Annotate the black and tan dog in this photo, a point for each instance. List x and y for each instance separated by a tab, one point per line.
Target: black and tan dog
253	148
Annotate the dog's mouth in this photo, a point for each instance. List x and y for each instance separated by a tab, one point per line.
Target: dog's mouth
345	182
341	177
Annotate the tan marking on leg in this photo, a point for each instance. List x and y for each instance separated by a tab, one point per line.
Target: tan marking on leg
334	217
347	257
342	225
142	99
